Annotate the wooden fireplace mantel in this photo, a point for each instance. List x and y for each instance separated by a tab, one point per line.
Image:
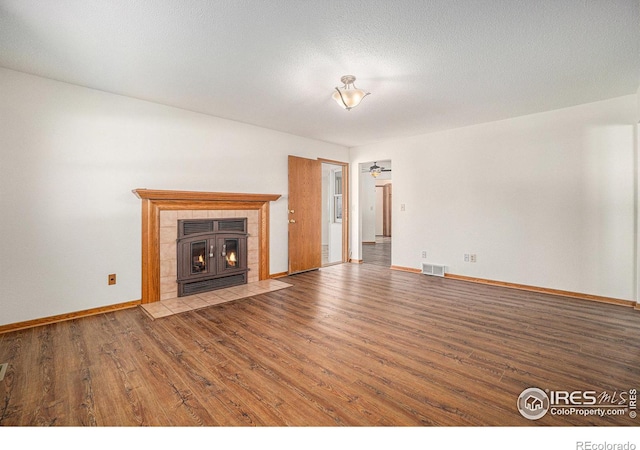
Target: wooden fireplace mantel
158	195
154	201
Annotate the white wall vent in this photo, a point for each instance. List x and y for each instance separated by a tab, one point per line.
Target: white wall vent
433	269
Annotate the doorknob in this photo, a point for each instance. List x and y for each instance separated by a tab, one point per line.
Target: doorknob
292	220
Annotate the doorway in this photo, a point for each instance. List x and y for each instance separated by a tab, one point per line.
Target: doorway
318	213
383	208
377	208
333	207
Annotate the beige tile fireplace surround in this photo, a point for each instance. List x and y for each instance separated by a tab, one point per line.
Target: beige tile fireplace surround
168	251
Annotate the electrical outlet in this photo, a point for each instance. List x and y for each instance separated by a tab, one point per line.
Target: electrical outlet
402	207
424	254
466	257
474	258
112	278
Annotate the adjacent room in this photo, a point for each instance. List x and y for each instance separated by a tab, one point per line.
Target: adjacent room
319	214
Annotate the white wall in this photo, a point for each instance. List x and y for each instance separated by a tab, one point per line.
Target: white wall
368	201
637	198
368	205
544	200
69	159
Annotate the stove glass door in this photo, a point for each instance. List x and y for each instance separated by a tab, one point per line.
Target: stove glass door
199	257
230	256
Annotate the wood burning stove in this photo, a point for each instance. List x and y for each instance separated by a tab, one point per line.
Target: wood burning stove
212	254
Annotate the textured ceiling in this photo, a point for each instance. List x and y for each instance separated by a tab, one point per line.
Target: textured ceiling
430	65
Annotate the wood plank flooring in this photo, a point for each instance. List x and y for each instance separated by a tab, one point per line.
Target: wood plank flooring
347	345
379	253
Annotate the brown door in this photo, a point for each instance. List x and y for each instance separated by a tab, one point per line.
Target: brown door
386	189
305	214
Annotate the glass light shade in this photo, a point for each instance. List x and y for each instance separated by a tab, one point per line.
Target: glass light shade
350	98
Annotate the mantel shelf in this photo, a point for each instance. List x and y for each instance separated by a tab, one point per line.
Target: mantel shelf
157	194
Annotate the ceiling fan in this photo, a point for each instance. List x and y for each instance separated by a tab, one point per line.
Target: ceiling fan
376	170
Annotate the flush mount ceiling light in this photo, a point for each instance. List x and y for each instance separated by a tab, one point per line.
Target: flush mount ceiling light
348	96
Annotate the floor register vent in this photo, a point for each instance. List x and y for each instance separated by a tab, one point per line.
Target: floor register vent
433	269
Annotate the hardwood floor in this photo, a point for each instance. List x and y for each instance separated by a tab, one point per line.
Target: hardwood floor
347	345
378	253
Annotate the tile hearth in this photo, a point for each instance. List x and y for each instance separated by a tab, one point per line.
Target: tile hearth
177	305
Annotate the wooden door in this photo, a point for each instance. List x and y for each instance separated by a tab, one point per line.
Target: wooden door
387	210
305	214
